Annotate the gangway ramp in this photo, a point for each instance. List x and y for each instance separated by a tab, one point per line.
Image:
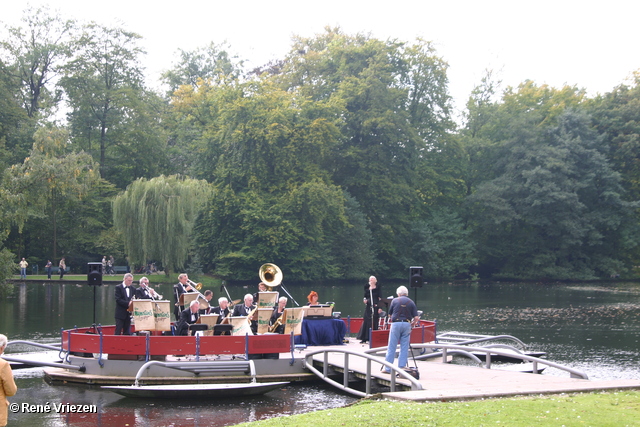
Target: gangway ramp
340	365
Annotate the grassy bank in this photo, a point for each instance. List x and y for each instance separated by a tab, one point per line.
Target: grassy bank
207	281
584	409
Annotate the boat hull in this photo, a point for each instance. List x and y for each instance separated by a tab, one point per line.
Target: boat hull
200	391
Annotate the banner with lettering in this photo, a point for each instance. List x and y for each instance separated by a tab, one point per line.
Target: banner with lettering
162	315
143	315
240	326
294	318
264	315
267	299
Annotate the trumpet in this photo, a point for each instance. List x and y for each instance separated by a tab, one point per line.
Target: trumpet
154	295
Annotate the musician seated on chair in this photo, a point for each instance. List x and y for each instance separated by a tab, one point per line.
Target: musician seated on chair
188	317
179	289
146	292
221	310
247	309
277	316
208	296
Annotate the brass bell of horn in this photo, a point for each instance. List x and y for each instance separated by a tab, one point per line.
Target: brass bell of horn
270	274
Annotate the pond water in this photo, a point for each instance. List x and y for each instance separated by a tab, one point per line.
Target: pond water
592	327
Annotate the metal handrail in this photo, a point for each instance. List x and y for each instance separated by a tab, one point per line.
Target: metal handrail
489	351
415	384
458	337
9	358
35	344
198	367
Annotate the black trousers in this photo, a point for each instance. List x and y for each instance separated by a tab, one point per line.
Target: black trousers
123	326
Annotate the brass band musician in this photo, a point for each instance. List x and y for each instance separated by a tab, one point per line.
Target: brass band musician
188	317
247	309
276	323
208	296
222	309
262	287
182	287
146	292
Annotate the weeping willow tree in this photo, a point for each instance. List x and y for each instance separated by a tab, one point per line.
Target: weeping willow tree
156	217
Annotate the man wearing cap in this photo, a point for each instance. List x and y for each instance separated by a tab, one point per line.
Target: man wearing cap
403	314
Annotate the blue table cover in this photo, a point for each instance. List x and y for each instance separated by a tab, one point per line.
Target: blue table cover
322	332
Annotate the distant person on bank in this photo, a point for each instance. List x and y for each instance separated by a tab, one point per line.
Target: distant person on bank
23	268
49	267
62	266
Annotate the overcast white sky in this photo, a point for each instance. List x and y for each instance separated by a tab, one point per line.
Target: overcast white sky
594	45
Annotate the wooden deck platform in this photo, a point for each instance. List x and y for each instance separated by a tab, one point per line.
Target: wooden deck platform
446	381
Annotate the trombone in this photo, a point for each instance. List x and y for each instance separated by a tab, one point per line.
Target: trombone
194	285
197	287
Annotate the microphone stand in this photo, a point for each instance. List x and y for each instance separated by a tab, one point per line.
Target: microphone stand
225	289
372	309
287	292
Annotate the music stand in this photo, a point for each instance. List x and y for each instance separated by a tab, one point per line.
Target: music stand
386	301
222	329
198	327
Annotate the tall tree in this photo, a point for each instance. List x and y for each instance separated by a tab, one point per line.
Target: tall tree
157	217
213	63
395	115
555	210
16	134
442	244
111	113
50	176
616	115
34	54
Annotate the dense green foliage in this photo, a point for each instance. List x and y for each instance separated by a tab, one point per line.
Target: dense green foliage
339	160
157	216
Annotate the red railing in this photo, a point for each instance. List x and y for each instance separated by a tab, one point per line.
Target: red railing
101	340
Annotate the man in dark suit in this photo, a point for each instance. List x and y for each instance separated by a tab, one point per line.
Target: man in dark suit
188	317
124	293
208	296
144	291
245	310
179	289
222	309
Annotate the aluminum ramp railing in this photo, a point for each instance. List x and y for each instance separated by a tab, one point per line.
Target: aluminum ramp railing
324	375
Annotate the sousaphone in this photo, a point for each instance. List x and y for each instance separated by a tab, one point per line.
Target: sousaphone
270	274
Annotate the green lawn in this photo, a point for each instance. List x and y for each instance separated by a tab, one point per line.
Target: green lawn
585	409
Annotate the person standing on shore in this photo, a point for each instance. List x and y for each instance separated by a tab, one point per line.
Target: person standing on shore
49	267
7	384
23	268
62	266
